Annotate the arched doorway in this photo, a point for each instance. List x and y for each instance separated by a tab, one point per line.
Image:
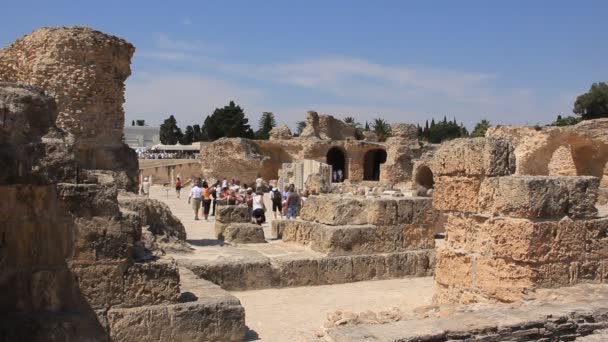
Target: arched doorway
337	160
371	164
424	177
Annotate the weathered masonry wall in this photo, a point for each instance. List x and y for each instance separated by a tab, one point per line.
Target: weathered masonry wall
507	235
84	71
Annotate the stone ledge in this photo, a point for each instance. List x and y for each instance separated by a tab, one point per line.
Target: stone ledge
582	310
258	272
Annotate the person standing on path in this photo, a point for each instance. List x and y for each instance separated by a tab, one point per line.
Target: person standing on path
178	186
196	196
276	198
293	202
259	208
145	187
206	194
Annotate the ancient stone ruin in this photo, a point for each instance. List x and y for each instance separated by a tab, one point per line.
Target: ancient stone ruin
324	139
78	264
84	258
84	71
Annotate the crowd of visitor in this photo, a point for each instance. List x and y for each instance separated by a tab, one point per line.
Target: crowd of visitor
152	154
286	203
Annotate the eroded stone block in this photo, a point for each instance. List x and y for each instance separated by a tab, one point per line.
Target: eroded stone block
474	157
539	196
244	233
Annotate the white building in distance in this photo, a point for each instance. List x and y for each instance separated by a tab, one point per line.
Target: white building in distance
141	136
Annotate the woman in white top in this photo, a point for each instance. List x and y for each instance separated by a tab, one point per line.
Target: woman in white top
259	208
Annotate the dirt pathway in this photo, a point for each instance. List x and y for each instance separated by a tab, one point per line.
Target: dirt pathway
291	314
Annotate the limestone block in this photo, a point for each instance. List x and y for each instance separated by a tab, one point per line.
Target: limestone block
280	133
232	213
369	267
28	114
244	233
503	280
474	157
335	270
523	240
277	227
456	193
154	214
100	238
454	269
383	212
193	321
151	283
539	196
101	284
86	200
334	210
297	272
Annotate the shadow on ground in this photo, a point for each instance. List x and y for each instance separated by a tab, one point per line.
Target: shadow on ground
205	242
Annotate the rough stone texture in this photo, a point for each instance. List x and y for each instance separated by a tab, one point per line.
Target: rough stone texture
339	211
316	185
226	215
579	314
474	157
280	133
406	131
358	239
69	253
244	233
538	196
508	235
326	127
580	150
84	71
232	158
334	210
161	229
254	271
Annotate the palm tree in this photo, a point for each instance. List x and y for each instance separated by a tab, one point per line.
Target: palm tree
382	129
349	120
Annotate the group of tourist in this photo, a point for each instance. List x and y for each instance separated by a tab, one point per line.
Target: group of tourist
152	154
338	176
202	195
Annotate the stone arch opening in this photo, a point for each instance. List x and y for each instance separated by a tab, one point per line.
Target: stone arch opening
424	177
371	164
337	160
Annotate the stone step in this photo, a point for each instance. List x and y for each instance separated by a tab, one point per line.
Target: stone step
355	239
259	266
207	313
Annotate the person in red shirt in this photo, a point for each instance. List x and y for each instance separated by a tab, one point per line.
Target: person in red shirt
178	186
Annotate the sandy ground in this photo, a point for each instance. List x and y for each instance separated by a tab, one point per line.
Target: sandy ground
289	314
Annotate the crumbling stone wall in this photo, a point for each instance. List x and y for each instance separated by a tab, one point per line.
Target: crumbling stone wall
507	235
84	71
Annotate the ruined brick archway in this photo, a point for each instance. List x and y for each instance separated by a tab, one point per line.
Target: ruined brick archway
371	163
337	159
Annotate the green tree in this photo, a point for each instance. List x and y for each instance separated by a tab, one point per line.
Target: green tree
480	128
300	127
267	122
349	120
382	129
188	136
567	121
170	133
229	121
594	103
198	134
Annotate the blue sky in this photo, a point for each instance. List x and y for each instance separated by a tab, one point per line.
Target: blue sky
512	62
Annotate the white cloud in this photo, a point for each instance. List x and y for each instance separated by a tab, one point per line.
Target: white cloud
346	85
190	97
